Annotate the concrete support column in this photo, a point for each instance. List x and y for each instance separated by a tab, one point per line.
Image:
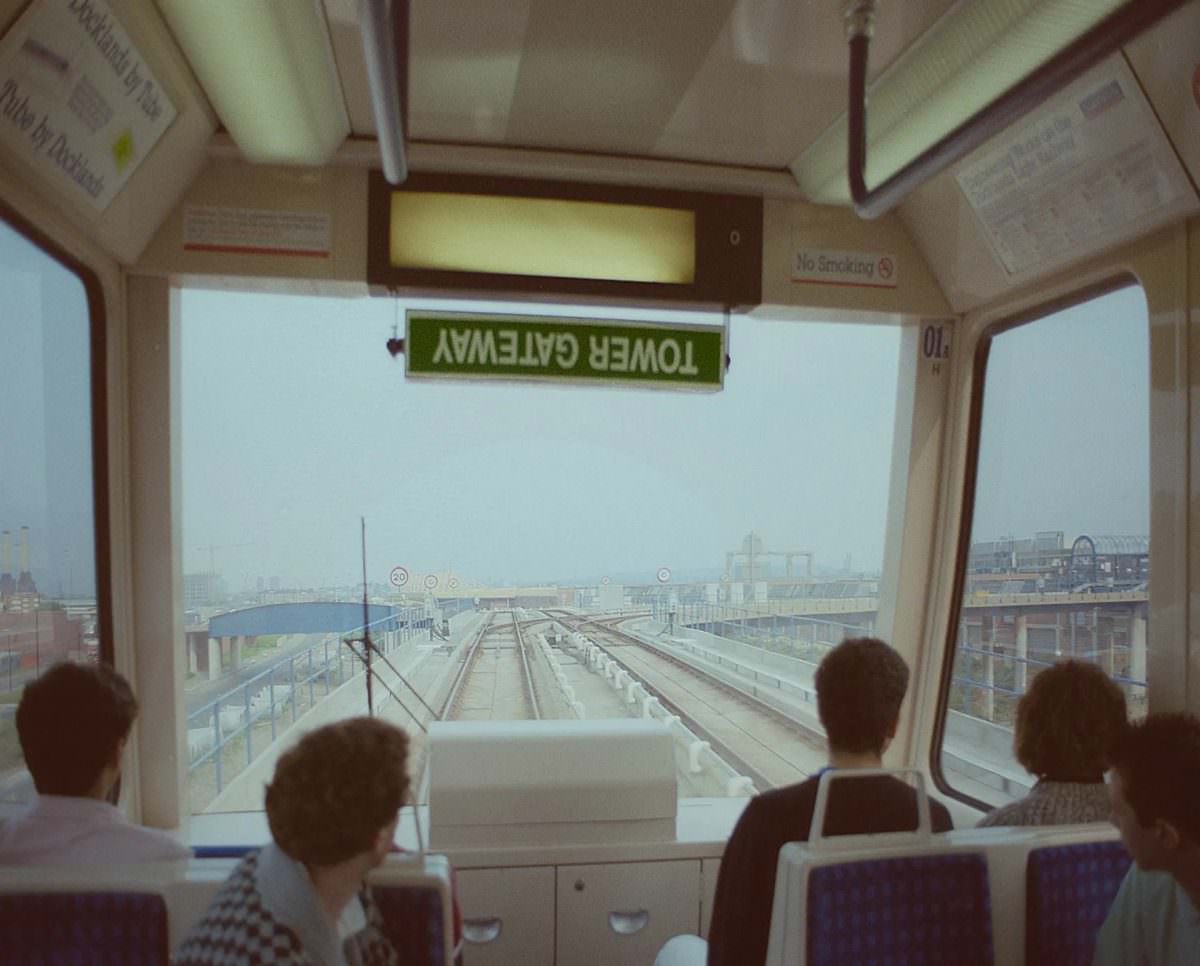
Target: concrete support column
1137	648
1020	671
237	643
214	658
989	671
193	645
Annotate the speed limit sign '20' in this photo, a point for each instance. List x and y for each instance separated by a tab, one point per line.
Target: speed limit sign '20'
398	577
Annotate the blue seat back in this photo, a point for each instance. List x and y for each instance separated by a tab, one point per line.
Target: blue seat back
222	851
83	928
413	920
1068	892
909	909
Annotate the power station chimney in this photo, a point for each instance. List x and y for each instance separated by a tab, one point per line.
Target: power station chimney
25	584
8	586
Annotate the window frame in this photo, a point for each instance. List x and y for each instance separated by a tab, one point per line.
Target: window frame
98	391
966	519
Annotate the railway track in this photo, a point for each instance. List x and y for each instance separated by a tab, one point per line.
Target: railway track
758	740
495	680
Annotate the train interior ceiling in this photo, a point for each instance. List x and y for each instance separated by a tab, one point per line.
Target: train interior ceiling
215	179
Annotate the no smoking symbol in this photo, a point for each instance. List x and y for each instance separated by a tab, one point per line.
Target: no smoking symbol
886	268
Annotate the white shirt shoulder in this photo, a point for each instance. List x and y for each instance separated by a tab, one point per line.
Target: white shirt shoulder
62	830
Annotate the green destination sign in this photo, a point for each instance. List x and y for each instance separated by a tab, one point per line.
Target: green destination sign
460	346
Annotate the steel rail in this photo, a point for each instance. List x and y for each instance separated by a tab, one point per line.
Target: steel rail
464	669
528	671
735	760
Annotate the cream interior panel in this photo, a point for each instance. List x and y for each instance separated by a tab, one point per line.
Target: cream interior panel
1167	62
788	226
623	913
710	870
775	78
508	915
340	194
124	228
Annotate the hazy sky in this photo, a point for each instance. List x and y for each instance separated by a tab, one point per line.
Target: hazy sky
1066	442
45	417
296	421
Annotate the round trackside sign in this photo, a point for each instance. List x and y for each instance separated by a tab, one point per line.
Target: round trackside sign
452	583
605	581
431	581
664	574
398	577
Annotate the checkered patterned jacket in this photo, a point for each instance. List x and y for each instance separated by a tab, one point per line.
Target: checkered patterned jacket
238	930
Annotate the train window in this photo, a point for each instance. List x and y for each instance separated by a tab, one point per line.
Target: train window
532	551
1058	563
48	580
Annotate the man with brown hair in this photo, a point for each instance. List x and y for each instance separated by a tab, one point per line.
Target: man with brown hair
1155	790
860	686
301	900
73	723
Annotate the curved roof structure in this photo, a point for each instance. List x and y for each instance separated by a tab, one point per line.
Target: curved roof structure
300	618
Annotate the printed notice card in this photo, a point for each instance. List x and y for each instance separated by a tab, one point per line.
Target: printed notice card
77	100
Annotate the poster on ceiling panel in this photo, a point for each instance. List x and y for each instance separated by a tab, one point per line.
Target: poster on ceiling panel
1089	168
77	99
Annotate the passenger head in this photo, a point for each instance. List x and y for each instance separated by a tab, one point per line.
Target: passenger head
335	795
1067	722
1155	789
860	687
72	723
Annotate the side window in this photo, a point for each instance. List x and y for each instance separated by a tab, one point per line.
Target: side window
1058	565
48	581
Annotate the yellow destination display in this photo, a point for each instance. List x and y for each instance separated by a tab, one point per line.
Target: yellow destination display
548	237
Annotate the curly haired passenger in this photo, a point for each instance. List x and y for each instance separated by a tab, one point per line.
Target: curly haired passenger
73	723
1066	725
302	900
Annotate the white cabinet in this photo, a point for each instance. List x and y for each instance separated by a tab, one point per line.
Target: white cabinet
621	914
508	916
709	869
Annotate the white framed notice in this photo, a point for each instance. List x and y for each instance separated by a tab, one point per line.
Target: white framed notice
1091	167
77	99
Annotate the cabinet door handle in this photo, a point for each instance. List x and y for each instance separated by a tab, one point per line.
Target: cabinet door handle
626	922
485	929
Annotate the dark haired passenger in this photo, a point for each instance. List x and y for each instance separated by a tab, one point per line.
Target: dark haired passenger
860	686
73	723
302	899
1066	725
1155	789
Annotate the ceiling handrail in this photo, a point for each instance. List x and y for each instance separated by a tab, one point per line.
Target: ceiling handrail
1106	37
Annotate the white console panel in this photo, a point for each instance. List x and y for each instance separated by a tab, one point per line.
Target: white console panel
520	783
709	869
508	916
611	915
